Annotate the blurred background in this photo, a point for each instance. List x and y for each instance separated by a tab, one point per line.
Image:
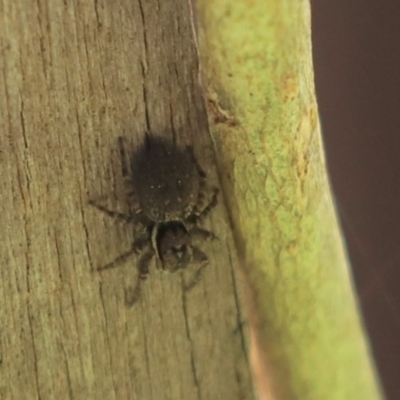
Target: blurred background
356	47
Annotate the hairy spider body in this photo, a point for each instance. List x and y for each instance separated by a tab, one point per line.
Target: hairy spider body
172	244
169	187
166	181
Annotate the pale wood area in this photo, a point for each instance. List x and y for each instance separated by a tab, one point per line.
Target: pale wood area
75	76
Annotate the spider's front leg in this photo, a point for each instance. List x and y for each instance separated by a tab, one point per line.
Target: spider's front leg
201	259
132	294
120	260
137	247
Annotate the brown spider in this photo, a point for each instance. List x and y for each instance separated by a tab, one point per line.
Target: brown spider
169	187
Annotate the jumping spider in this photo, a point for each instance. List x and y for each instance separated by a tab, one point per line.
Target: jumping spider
168	189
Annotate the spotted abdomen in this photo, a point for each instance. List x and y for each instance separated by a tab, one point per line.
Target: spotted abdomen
166	181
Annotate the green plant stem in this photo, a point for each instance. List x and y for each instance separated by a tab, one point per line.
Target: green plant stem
257	70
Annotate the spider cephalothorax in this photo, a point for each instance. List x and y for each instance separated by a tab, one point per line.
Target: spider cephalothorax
171	197
173	245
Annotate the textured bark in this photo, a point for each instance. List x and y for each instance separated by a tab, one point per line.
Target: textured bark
308	340
76	75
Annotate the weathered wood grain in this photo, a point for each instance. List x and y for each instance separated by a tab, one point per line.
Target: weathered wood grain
76	75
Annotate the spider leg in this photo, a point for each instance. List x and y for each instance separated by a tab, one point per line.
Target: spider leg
200	171
140	243
200	233
130	192
124	165
198	215
202	174
118	261
137	218
132	294
199	257
127	177
113	214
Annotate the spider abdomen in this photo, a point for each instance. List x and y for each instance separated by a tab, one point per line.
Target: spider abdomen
166	181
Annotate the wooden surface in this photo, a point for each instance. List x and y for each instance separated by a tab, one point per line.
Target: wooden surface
74	77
